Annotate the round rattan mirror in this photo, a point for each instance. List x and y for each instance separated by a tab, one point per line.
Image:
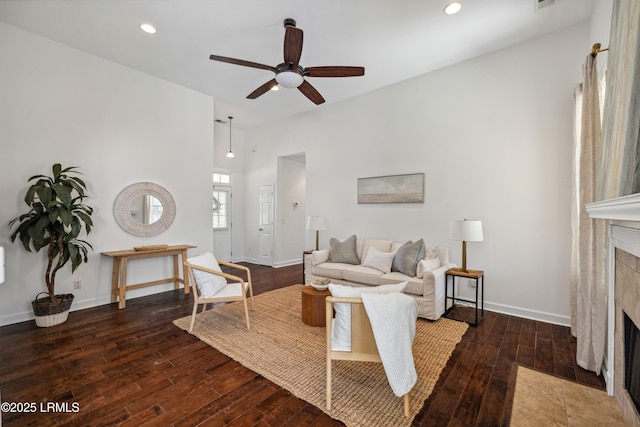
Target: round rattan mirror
144	209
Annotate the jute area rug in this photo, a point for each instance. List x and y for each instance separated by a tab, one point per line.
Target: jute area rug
293	355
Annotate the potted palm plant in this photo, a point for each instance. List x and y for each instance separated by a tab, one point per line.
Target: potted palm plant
56	217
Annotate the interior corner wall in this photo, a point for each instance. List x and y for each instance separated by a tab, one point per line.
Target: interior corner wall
119	126
493	136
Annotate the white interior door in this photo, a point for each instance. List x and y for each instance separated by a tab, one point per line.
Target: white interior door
222	222
266	224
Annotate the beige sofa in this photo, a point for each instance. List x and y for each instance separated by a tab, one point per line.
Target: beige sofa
426	286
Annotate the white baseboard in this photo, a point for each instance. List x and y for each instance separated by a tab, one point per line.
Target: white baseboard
287	263
498	308
25	316
526	313
275	265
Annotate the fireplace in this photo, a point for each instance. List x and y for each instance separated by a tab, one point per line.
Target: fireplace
632	360
623	301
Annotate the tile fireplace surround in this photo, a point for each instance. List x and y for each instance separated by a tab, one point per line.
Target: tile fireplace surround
623	280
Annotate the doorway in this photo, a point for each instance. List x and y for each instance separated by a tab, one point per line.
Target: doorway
266	225
221	217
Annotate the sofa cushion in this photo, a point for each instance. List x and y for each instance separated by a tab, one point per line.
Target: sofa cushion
414	285
379	260
362	274
343	252
381	245
332	270
395	246
407	257
319	256
427	265
341	332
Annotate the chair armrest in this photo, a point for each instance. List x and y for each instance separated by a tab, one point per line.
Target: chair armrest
217	273
233	265
335	300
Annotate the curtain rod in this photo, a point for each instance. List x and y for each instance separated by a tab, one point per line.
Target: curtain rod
596	49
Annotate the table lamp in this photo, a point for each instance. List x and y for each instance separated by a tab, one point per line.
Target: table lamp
467	231
317	223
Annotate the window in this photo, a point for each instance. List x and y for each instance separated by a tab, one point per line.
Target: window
221	178
220	209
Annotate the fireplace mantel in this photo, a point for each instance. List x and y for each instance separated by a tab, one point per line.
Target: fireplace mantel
625	208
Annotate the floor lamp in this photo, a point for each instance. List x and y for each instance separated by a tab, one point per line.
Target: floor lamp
317	223
467	231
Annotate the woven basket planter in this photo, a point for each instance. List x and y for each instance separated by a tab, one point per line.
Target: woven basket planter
51	313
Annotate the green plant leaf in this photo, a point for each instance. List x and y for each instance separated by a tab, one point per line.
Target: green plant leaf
56	219
57	168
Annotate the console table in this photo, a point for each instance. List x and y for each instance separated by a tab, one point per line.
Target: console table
119	285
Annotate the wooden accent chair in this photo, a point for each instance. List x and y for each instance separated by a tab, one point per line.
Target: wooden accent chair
235	289
363	344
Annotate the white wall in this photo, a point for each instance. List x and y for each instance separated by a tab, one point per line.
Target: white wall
600	30
493	136
290	219
119	126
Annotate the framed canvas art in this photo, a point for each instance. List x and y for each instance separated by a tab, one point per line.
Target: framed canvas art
391	189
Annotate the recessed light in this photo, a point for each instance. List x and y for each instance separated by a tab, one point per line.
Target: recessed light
148	28
453	8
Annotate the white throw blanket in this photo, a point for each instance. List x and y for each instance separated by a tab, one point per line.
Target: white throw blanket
393	321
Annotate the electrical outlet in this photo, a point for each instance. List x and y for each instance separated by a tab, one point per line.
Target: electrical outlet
77	284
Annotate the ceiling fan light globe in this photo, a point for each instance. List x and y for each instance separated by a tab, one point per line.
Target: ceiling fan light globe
289	79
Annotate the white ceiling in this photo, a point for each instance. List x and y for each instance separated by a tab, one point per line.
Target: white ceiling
393	40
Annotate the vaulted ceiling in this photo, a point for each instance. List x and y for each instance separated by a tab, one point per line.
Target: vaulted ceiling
393	40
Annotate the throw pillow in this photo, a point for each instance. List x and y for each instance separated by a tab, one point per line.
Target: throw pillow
431	251
381	245
208	284
407	258
427	265
379	260
341	332
344	251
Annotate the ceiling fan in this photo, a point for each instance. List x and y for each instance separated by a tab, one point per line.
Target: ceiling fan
290	74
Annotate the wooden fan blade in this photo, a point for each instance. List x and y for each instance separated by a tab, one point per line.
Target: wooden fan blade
311	93
262	89
242	62
334	71
292	45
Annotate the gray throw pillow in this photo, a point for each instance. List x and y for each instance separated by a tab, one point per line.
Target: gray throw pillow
344	252
407	258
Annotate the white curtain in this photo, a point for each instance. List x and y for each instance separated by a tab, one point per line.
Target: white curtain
588	292
620	163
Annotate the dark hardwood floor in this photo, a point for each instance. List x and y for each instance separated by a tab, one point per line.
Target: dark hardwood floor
134	367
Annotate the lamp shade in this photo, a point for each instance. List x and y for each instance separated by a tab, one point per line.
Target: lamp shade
466	230
318	223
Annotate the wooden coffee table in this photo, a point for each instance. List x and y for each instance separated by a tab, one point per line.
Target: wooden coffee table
313	306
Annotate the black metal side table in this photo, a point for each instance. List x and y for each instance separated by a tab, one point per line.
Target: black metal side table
478	276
